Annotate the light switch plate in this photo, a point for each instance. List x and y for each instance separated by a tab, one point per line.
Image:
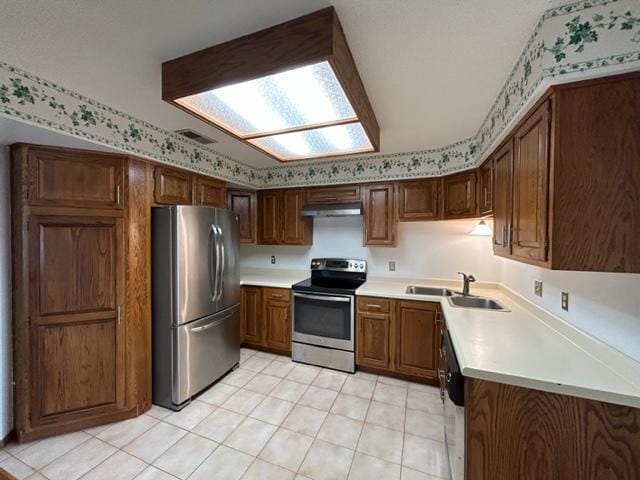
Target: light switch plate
565	301
273	259
537	288
392	266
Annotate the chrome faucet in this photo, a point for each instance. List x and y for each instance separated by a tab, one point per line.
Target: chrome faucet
467	279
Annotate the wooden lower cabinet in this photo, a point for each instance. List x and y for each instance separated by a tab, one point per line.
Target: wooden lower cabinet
520	433
398	336
265	315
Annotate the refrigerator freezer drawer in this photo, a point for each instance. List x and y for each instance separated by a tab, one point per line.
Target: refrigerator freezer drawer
204	350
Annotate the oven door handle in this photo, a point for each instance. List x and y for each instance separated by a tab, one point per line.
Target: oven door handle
323	297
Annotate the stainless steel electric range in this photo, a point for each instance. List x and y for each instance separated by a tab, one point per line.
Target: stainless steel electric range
324	313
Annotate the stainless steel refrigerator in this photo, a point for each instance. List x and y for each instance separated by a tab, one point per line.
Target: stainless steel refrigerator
196	300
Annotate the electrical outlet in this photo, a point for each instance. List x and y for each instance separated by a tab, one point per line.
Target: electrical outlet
565	301
392	266
273	259
537	288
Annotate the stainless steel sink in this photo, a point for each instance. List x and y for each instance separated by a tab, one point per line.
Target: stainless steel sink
436	291
476	302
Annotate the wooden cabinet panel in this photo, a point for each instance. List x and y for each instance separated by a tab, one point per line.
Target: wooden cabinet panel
416	338
78	342
418	200
78	366
209	192
485	188
296	230
251	315
373	304
334	194
244	204
172	187
380	222
373	340
277	314
531	187
75	179
269	217
520	433
502	199
459	195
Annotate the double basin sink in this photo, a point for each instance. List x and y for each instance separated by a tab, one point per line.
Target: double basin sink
456	299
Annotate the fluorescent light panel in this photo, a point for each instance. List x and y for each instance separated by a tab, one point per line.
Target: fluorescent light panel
295	101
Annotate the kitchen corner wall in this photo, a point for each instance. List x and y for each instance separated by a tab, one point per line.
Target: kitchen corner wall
6	389
604	305
425	249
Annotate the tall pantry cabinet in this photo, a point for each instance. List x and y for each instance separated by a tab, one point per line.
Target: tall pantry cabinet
73	367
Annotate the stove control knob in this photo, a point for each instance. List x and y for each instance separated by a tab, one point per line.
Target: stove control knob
362	266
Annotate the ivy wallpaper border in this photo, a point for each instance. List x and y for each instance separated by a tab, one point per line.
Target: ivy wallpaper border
568	41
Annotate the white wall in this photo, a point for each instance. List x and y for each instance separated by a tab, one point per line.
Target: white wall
6	411
605	305
425	249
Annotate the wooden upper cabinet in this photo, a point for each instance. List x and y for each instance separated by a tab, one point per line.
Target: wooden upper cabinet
77	339
279	219
172	187
418	199
416	338
531	187
459	195
333	194
251	321
72	178
269	217
502	198
296	229
209	192
244	204
380	221
485	188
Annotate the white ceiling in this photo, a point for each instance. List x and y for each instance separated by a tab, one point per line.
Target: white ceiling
431	68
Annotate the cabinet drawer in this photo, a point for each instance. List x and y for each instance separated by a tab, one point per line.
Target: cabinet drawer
281	294
372	304
338	194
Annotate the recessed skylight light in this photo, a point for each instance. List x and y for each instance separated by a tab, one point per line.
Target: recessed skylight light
291	90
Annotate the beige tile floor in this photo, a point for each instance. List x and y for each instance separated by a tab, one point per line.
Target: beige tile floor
270	419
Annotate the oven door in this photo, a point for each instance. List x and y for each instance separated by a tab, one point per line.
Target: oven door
324	320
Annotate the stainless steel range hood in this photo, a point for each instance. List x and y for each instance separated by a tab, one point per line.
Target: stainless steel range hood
332	210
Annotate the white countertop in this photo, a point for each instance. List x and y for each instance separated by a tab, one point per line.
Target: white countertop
525	346
272	277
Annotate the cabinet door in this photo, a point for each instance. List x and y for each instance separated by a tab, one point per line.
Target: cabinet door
502	198
531	187
337	194
244	204
459	195
269	217
418	200
380	222
77	337
485	190
209	192
172	187
74	179
416	338
251	319
296	230
372	338
277	312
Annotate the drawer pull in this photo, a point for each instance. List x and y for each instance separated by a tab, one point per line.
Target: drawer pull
373	305
276	295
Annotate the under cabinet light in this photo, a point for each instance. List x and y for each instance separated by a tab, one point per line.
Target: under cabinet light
481	229
292	91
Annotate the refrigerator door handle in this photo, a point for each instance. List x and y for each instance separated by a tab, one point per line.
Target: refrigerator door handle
213	274
219	247
222	264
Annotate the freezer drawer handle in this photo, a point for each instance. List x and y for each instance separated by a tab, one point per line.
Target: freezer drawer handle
207	327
